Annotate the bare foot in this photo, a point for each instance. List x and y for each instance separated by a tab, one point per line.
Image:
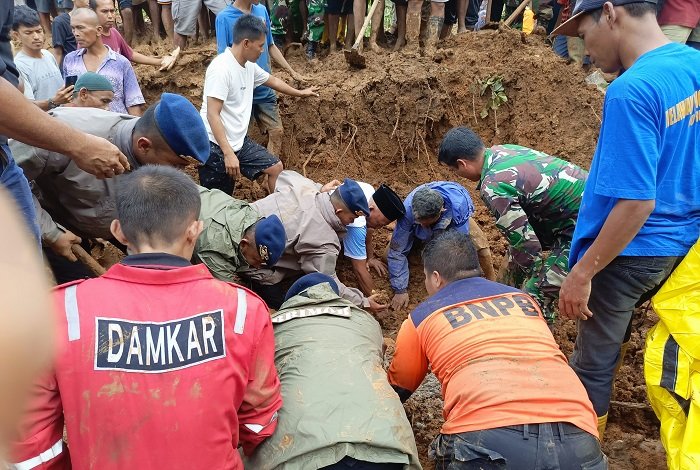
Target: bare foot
400	43
462	30
332	49
375	47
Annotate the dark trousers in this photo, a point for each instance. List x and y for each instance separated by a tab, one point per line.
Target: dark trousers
626	283
348	463
550	446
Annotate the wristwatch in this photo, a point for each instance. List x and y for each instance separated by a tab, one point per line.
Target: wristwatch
52	104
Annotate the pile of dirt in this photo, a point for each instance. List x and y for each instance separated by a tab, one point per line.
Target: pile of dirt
383	124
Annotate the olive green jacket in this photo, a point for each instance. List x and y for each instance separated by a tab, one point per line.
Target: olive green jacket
225	221
337	399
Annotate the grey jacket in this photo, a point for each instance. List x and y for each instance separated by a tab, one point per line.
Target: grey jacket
312	236
68	196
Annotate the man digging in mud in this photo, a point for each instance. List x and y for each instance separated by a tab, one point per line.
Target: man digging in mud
160	365
360	427
510	399
431	209
535	199
385	206
234	237
76	202
312	221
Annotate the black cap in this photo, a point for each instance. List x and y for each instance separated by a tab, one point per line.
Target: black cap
570	26
389	203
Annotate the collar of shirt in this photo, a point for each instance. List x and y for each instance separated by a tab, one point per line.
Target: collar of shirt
488	161
155	261
123	140
323	202
111	55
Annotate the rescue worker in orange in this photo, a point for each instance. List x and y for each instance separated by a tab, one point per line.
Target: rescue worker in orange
511	399
160	364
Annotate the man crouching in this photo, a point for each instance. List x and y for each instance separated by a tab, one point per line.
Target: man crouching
339	410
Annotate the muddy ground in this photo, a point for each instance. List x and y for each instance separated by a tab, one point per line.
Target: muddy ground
383	125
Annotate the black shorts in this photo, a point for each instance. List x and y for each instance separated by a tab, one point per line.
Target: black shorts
253	158
124	4
339	7
451	12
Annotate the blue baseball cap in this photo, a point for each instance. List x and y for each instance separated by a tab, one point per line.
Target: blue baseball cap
570	26
308	281
270	239
354	197
182	127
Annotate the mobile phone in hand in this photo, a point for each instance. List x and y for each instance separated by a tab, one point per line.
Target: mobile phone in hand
71	79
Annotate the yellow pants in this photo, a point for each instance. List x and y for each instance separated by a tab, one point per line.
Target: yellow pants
672	363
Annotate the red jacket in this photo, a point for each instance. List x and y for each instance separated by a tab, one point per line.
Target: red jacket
161	367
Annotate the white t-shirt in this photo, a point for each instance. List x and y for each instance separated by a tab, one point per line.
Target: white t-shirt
355	241
42	77
233	84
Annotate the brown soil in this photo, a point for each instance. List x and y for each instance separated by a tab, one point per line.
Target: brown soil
383	125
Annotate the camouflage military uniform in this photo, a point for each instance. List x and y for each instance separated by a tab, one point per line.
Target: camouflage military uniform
314	23
535	199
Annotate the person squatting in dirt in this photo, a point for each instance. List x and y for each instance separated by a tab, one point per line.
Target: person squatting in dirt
535	199
385	206
639	213
314	330
227	105
491	350
196	354
313	221
429	210
234	237
74	204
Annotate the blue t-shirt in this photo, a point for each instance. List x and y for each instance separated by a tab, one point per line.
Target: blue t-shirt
225	21
649	149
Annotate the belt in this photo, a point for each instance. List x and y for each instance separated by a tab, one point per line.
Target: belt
558	429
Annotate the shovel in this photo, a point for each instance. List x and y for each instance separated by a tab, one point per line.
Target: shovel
85	258
353	56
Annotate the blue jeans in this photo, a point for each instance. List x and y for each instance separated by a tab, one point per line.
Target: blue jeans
13	180
624	284
523	447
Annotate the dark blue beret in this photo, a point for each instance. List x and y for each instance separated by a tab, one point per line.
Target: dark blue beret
310	280
354	197
270	238
182	127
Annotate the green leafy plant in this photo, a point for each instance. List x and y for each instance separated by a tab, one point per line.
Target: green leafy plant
495	98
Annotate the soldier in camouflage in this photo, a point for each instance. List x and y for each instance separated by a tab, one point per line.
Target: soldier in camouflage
535	198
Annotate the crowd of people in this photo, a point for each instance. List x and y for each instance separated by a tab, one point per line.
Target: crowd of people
225	339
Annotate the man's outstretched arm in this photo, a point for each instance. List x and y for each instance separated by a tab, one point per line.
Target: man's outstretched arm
37	128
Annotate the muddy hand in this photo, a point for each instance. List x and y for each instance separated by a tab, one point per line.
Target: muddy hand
99	157
400	301
374	306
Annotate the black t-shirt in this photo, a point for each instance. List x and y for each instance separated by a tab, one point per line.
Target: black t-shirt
63	35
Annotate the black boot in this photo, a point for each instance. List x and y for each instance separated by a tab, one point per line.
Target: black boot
311	49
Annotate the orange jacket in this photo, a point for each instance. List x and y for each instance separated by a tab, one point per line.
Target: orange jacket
496	359
161	366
